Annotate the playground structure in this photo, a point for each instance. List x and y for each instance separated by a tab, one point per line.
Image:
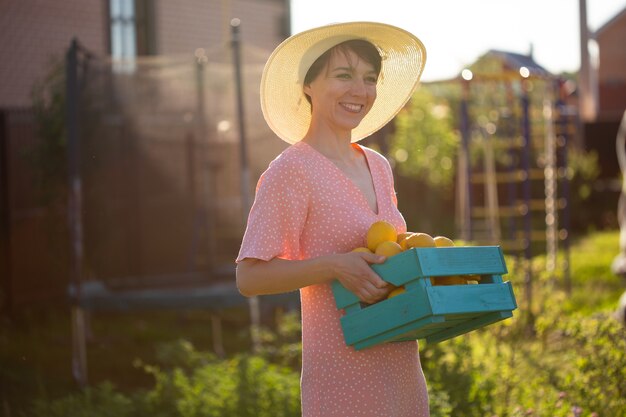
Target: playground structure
159	182
513	180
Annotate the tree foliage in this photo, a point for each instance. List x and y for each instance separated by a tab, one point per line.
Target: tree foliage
425	143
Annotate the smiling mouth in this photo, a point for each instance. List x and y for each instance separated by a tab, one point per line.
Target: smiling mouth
353	108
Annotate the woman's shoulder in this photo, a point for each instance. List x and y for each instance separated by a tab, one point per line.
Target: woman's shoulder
291	162
376	157
289	158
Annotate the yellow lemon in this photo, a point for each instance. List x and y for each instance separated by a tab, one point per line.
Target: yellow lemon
388	249
380	231
361	249
420	240
397	291
472	279
402	237
442	241
449	280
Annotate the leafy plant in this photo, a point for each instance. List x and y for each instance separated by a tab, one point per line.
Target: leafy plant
238	387
425	143
100	401
48	156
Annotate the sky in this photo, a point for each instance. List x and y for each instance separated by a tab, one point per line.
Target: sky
457	32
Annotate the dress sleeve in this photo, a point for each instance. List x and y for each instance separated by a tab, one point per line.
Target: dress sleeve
277	216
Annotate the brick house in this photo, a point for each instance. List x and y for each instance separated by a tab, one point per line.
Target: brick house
612	68
34	34
600	134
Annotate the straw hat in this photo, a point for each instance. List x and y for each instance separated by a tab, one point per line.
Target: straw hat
284	105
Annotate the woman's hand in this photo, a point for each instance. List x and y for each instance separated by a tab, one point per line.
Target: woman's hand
355	274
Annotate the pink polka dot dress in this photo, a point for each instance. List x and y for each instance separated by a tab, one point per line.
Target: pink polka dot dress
306	207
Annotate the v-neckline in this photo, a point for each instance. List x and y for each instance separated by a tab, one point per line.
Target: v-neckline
351	183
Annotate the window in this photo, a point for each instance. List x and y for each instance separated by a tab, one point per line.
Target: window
131	29
123	31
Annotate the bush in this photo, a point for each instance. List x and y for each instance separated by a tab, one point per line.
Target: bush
100	401
575	363
199	385
240	387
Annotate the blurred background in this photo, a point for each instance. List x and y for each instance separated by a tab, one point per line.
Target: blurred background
131	140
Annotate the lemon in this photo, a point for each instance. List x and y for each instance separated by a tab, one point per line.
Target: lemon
402	237
449	280
361	249
388	248
442	241
472	279
420	240
380	231
397	291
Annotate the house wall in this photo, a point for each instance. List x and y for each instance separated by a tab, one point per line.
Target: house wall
612	69
33	238
34	32
185	25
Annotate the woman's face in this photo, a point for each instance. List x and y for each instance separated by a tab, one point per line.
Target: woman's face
343	93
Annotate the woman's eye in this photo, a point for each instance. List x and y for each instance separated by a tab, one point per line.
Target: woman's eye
344	76
371	80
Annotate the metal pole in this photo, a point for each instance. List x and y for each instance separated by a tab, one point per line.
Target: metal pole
205	214
512	166
526	192
586	99
563	119
255	314
550	187
466	228
79	358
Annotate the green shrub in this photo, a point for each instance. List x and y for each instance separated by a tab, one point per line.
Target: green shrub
192	384
240	387
100	401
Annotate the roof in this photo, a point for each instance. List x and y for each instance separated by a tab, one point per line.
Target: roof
515	61
610	23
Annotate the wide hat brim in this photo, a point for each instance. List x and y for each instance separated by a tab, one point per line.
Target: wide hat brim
284	106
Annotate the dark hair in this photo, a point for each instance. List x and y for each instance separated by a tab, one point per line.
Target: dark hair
362	48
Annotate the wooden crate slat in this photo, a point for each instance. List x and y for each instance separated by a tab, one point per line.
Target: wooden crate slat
457	299
461	260
468	326
405	309
410	329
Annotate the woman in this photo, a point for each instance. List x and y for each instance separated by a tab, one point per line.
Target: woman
323	90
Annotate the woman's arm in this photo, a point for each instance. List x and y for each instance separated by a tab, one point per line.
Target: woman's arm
258	277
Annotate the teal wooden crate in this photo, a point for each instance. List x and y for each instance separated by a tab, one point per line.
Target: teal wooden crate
424	311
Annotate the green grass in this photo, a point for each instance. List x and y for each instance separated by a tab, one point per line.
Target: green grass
595	287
